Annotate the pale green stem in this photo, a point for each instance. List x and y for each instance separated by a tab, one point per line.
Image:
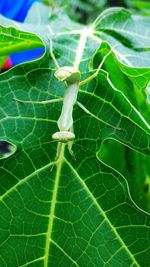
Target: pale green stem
52	54
99	68
39	102
65	121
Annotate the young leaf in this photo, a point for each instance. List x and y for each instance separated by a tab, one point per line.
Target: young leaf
12	40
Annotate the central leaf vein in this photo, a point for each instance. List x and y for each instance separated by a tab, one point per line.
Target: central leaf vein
60	153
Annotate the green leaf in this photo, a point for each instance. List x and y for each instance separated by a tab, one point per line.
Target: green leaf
134	166
2	60
86	202
123	25
12	41
132	81
120	27
59	209
142	7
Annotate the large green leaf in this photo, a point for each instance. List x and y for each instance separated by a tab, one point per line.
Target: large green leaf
69	210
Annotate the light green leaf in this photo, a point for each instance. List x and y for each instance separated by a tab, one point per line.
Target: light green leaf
142	7
129	32
124	27
12	41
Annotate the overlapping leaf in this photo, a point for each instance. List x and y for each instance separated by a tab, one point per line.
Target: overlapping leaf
129	32
12	41
132	81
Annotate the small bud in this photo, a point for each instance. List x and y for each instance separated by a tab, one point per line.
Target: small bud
63	136
68	74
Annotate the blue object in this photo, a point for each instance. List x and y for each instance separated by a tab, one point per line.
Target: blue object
25	56
17	10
